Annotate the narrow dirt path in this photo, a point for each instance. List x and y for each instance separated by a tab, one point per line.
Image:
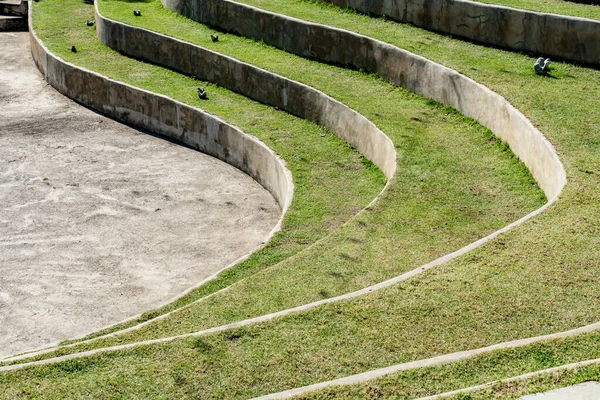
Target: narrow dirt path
100	222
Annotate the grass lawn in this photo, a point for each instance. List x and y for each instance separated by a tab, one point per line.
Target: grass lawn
576	8
573	8
478	370
514	390
539	278
468	180
332	181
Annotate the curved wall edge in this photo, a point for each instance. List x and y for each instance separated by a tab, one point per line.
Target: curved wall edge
405	69
42	64
253	82
565	37
167	117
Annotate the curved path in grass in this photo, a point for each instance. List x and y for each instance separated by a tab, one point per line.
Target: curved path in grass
498	385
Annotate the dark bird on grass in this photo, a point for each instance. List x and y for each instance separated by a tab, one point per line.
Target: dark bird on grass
89	23
214	37
202	94
73	49
137	13
541	66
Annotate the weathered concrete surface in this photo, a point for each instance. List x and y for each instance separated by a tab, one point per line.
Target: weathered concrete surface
99	222
583	391
13	7
405	69
13	15
12	23
569	38
253	82
168	117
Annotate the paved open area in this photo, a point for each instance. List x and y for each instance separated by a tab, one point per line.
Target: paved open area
100	222
583	391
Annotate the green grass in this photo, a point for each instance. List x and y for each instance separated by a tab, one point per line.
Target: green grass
470	182
332	181
496	365
573	8
515	390
539	278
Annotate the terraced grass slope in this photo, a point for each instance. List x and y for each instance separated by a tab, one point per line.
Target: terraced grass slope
575	8
497	365
348	260
332	181
537	384
539	278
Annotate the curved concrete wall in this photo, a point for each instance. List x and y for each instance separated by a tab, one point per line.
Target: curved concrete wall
405	69
569	38
252	82
167	117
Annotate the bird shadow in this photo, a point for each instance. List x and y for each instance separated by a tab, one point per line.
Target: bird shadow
549	75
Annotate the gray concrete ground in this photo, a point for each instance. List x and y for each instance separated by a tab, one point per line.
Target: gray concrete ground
99	222
583	391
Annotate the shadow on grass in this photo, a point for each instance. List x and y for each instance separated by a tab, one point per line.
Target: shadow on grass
591	2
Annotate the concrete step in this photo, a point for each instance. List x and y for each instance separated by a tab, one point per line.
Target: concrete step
10	2
13	7
13	23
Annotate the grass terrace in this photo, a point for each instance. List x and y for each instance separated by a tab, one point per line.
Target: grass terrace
454	184
478	370
332	181
575	8
441	153
348	259
539	384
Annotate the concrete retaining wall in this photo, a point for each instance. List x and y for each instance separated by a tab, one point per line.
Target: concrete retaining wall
167	117
569	38
252	82
405	69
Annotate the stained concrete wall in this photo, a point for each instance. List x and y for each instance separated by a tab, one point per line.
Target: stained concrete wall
252	82
569	38
405	69
167	117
